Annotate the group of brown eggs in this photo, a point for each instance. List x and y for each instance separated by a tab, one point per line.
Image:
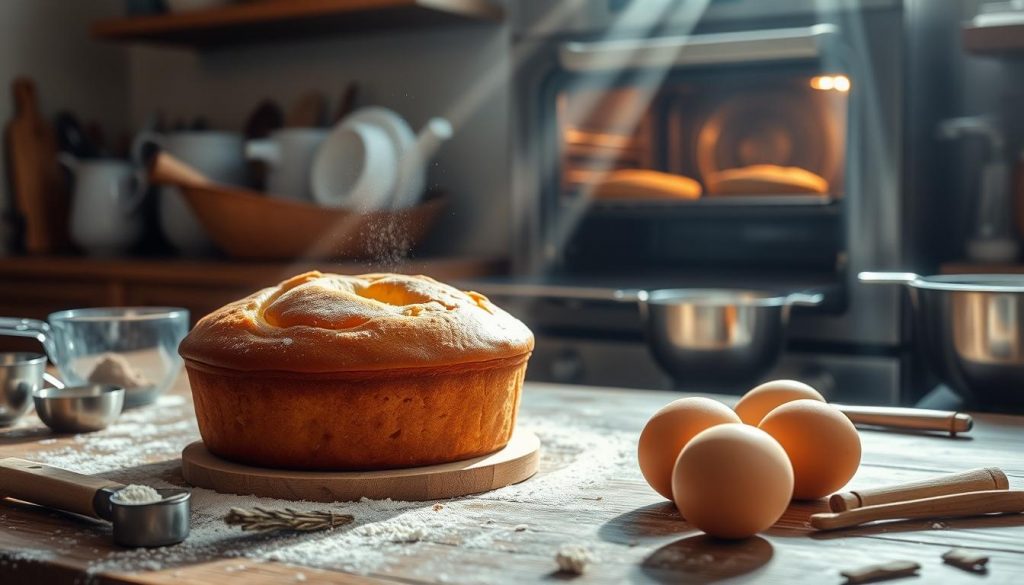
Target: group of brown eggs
733	472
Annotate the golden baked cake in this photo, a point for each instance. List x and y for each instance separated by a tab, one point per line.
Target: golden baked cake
766	180
378	371
646	184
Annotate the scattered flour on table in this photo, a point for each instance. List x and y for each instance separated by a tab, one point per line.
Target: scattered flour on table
151	433
578	457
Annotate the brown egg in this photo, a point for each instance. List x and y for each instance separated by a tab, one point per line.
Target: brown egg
669	430
732	481
821	442
757	403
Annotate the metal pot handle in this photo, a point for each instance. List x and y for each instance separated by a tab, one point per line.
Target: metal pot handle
888	277
805	299
33	328
53	380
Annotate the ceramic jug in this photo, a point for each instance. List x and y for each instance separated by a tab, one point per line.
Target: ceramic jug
105	215
289	155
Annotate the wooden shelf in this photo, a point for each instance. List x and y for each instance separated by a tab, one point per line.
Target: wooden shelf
1003	40
264	20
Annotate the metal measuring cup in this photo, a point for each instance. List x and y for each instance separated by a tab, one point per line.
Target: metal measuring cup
21	375
135	525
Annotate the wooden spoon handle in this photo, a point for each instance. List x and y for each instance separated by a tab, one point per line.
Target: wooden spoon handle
918	419
951	506
51	486
167	170
974	480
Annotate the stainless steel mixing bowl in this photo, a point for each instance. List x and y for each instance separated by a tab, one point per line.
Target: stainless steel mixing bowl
970	332
79	409
717	337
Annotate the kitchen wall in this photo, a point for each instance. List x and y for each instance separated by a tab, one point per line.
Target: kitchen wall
49	41
947	171
458	72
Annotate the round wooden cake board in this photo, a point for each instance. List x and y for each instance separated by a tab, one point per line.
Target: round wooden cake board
513	464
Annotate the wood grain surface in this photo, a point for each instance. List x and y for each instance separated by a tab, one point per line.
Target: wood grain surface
638	536
513	464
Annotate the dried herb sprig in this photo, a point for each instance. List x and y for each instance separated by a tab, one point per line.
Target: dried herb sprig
263	520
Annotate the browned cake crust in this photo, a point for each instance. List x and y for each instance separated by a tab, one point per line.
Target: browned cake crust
313	375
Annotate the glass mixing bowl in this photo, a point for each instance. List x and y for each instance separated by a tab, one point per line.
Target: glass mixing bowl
134	347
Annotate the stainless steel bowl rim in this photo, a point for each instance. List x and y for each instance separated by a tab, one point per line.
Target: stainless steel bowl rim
715	297
73	392
1003	283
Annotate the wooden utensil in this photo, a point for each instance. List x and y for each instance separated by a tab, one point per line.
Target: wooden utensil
950	506
266	118
40	192
71	137
975	480
245	224
882	572
309	111
348	102
911	419
513	464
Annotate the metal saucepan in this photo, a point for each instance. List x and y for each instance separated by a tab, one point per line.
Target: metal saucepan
970	331
708	338
705	338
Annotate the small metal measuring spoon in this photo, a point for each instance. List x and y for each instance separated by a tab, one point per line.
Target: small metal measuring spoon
160	523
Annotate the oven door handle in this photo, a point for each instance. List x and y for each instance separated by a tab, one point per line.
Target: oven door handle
785	44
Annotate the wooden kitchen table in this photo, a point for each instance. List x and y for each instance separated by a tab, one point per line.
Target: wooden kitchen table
589	492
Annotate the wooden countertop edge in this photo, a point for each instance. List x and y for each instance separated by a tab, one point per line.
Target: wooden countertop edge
249	571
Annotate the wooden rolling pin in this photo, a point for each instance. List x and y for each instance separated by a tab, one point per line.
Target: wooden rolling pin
915	419
974	480
951	506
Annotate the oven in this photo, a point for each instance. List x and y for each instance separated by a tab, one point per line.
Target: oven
714	143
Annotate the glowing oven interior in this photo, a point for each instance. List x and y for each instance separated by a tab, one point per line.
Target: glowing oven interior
684	140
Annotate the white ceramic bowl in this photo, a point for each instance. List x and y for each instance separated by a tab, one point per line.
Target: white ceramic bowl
355	168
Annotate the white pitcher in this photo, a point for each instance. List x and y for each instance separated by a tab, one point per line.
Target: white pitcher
105	215
289	155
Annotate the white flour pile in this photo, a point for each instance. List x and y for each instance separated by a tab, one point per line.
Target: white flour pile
137	494
577	457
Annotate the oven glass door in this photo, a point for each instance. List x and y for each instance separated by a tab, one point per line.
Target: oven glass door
724	156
